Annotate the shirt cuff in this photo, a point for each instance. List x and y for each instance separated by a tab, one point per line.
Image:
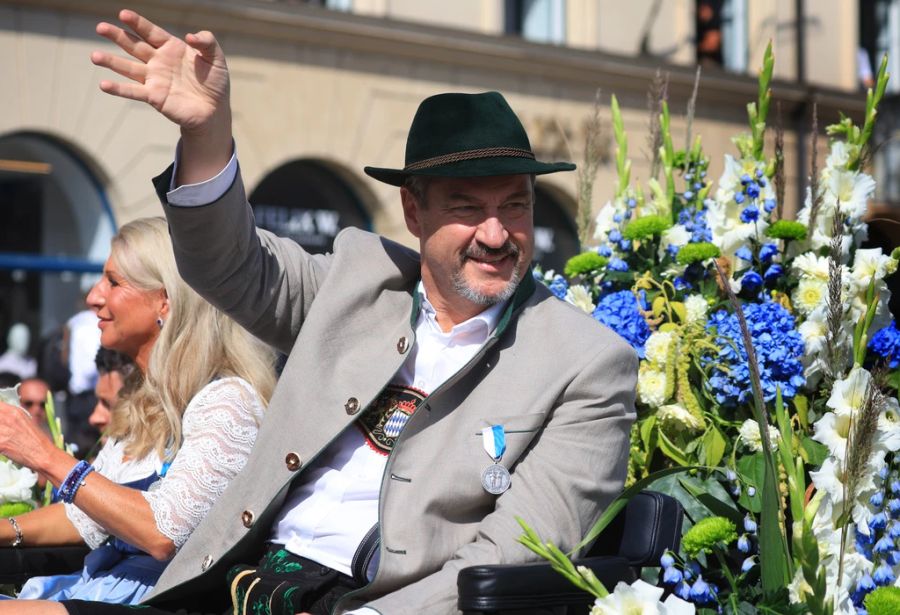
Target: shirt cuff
203	193
363	610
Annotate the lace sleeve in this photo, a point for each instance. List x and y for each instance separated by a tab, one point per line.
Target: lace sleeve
92	532
219	426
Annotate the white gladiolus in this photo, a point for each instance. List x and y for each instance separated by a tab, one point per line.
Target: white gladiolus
640	598
15	483
677	235
868	264
604	221
10	395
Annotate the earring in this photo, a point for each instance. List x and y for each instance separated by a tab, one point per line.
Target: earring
160	322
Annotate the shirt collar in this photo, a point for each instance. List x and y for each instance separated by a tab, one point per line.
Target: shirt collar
486	321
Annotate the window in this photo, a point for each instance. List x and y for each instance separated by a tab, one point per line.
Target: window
879	34
721	27
541	21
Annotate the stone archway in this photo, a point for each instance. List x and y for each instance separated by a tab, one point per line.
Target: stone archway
57	227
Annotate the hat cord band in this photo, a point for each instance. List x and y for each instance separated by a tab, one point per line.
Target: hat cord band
472	154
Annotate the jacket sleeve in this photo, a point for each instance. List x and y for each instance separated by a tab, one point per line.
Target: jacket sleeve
590	424
266	283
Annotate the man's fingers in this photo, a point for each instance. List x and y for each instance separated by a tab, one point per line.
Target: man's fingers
132	91
204	42
144	28
127	41
136	71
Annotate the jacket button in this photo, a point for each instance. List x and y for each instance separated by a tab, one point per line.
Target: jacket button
207	562
292	461
247	518
352	406
402	345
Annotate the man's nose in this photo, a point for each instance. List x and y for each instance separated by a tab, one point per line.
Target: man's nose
492	233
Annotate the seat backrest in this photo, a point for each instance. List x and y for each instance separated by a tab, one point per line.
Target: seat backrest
648	526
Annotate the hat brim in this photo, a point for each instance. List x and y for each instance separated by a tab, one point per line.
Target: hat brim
479	167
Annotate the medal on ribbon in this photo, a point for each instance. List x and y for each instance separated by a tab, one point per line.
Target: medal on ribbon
495	479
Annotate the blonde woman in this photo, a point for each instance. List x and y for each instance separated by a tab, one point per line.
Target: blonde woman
183	428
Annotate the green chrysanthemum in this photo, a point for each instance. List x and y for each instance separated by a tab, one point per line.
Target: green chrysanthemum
645	227
883	601
697	252
786	229
584	263
708	533
14	509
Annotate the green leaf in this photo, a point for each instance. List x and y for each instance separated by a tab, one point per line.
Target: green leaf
672	451
619	503
752	472
813	453
659	305
801	406
648	432
713	446
711	494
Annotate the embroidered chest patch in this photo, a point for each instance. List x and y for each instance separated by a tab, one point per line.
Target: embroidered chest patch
388	415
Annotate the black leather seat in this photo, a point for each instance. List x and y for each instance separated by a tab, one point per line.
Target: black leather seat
18	564
638	536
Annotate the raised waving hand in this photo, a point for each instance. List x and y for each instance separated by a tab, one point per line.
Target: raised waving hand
185	80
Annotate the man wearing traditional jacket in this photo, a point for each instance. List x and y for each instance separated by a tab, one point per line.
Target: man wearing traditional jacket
428	398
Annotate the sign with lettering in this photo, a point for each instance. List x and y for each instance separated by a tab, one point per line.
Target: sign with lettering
307	202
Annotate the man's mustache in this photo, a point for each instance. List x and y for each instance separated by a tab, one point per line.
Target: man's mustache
480	252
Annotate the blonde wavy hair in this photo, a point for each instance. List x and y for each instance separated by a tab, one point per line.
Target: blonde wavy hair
196	345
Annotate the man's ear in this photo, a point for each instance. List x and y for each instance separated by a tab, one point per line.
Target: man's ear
410	211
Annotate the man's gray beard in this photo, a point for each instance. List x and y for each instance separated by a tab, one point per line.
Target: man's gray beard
467	292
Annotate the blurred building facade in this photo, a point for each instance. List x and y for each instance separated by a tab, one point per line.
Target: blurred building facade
322	88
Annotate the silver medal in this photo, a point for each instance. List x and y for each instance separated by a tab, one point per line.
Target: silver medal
495	479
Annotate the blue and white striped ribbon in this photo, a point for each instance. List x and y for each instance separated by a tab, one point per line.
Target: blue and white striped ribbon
494	440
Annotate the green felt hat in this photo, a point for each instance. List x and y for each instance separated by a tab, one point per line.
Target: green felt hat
466	135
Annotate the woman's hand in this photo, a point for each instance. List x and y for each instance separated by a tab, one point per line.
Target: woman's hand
21	440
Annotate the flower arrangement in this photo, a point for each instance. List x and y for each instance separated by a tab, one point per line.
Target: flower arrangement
769	369
16	483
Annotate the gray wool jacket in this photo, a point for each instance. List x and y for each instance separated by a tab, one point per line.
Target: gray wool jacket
561	384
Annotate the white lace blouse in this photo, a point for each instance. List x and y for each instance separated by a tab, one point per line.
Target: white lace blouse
219	427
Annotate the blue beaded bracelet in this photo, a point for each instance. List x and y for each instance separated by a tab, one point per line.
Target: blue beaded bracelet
73	481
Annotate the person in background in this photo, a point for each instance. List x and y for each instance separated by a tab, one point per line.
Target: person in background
81	340
33	397
200	385
16	358
112	370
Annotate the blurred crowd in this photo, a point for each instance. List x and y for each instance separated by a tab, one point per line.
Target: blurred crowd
71	370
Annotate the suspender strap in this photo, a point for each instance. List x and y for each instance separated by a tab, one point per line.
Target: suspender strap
364	554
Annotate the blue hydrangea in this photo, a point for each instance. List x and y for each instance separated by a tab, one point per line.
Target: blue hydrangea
619	312
886	344
778	347
558	286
